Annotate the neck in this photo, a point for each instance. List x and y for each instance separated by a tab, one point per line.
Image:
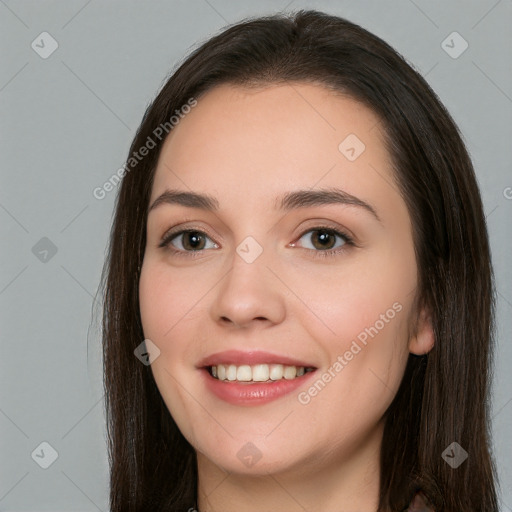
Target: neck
321	483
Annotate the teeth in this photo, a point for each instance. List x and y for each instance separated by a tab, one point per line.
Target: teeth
244	373
290	372
231	372
276	371
258	372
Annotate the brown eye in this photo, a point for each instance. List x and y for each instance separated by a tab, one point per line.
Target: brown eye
193	241
323	239
188	241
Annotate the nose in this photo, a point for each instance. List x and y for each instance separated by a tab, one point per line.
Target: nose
248	295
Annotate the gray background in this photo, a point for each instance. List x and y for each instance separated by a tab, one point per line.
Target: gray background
66	125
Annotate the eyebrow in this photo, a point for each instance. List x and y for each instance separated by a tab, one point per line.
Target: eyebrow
289	201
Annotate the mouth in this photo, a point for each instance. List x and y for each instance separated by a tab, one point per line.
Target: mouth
258	373
253	377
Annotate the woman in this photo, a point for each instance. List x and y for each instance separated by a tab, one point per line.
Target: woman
299	258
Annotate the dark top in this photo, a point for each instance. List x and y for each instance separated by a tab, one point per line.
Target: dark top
419	504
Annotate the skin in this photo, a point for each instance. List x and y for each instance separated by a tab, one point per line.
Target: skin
247	147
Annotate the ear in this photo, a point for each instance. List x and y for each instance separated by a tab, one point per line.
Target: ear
422	341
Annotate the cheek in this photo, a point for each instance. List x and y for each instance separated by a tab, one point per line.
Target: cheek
367	359
167	300
168	308
361	319
368	290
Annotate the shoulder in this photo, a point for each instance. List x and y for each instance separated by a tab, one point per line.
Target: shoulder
419	504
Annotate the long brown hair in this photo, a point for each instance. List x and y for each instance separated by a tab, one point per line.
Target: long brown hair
443	397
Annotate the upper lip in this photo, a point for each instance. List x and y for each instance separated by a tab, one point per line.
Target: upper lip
250	357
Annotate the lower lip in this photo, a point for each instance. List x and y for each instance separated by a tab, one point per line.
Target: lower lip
249	393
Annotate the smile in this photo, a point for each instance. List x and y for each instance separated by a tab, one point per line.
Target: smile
257	373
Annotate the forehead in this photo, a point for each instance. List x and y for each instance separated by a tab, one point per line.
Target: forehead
253	143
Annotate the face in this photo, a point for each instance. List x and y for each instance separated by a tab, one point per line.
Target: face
272	271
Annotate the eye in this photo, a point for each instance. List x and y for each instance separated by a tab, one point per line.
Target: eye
324	239
188	240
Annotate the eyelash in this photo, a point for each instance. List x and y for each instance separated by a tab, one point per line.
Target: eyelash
165	242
